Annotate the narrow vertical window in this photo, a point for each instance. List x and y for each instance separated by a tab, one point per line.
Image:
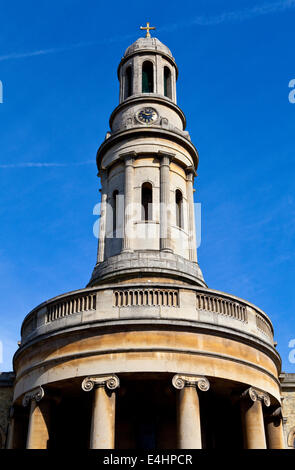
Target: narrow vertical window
167	82
179	211
147	77
146	201
128	82
115	210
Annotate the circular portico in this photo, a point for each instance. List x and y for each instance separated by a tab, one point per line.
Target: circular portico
164	338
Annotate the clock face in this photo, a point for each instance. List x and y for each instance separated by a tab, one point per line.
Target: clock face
147	115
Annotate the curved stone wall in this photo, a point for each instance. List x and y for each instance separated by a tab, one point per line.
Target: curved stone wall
158	328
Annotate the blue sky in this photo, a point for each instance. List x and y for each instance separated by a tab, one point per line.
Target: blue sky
58	64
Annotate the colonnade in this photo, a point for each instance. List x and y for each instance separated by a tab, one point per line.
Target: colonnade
260	429
165	210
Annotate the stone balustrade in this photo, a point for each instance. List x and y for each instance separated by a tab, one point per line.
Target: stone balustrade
146	297
263	326
157	302
222	306
69	306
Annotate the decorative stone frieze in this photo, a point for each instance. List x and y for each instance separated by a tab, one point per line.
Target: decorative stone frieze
109	381
181	381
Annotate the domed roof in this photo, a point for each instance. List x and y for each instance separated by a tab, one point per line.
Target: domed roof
149	43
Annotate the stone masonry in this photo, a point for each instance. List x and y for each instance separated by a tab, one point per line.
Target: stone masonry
6	392
288	406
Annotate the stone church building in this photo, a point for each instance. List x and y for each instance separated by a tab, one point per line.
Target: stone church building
147	356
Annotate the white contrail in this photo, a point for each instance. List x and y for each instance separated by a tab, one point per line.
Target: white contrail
24	55
42	165
234	16
231	16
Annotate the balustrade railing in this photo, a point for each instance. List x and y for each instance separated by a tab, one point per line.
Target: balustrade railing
263	326
124	296
146	298
70	305
221	306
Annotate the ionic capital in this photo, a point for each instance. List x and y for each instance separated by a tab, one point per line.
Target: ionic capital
35	394
109	381
254	394
180	381
275	415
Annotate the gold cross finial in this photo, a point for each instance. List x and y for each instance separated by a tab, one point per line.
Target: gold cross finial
148	28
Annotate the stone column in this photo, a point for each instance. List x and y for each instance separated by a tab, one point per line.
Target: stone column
137	77
188	411
191	215
38	429
274	430
128	195
165	222
11	429
252	418
102	224
102	434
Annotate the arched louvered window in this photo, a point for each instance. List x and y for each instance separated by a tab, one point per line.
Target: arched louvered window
179	208
115	210
167	82
147	77
146	201
128	82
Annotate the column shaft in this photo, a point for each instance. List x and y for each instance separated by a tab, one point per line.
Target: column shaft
165	223
103	419
189	426
275	434
253	425
191	218
10	436
128	222
38	430
102	224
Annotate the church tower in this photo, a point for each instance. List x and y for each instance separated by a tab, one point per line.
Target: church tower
147	166
147	356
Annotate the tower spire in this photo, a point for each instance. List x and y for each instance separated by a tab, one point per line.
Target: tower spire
147	28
